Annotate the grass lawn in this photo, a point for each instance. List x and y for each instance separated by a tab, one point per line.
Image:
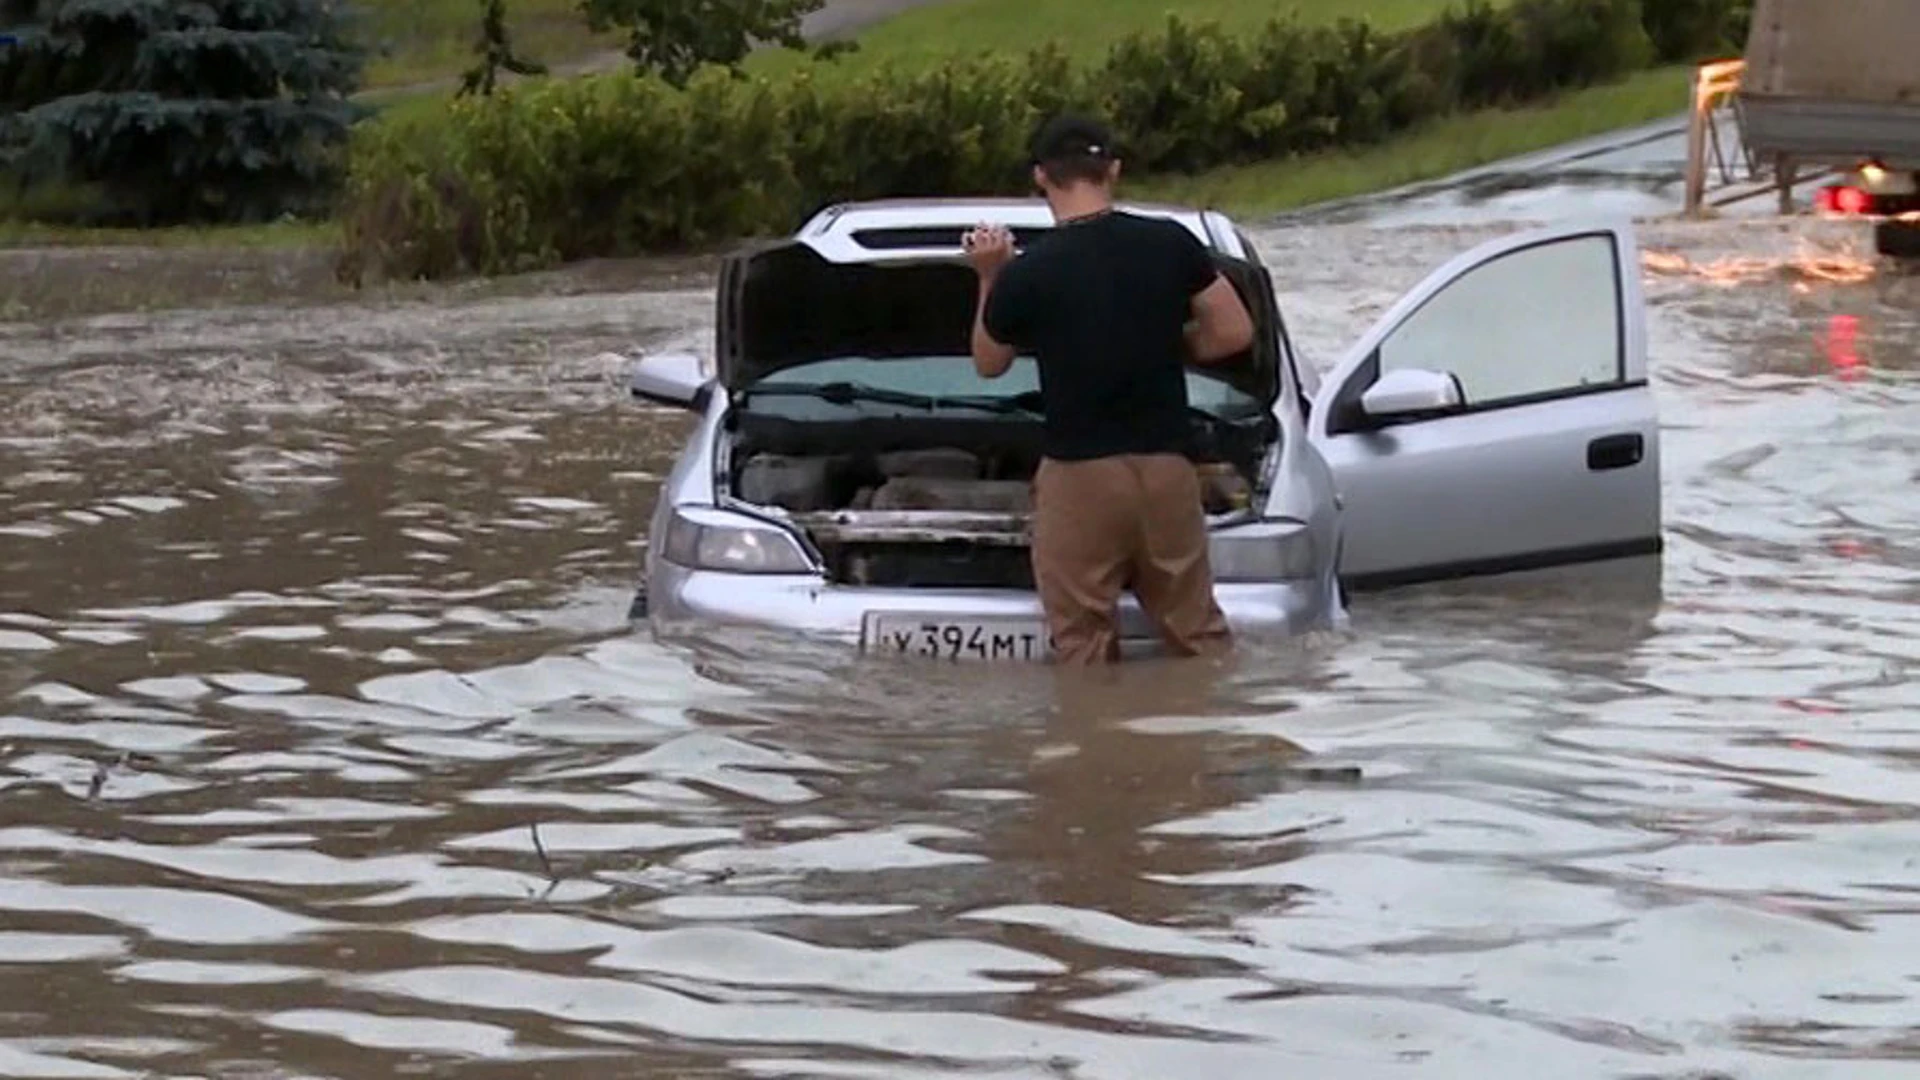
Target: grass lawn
432	40
1437	150
429	40
1085	28
440	31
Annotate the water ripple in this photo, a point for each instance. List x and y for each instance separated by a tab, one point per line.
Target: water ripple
326	748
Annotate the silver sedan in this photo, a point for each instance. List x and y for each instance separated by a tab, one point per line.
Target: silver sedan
851	476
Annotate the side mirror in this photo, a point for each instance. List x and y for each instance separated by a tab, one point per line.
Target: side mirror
675	379
1411	392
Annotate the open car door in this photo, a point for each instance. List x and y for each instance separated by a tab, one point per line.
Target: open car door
1257	372
1498	418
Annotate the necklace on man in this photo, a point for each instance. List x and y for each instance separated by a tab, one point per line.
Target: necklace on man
1093	216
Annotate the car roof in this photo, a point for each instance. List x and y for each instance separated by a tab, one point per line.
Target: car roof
884	230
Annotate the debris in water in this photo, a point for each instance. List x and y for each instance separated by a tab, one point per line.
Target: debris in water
540	849
104	769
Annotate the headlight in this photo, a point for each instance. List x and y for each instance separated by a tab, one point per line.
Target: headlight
706	538
1263	551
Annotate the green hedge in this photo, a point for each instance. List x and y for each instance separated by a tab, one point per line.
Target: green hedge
557	170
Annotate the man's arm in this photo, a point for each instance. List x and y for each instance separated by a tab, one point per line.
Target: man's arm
991	357
1222	326
999	312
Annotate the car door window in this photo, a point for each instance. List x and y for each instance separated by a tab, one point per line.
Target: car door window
1536	322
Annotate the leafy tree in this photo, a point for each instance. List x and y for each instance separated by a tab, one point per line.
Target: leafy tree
674	37
496	52
179	110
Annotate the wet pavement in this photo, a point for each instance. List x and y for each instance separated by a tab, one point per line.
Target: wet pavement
1637	173
325	749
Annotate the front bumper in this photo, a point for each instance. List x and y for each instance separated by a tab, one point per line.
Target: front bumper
811	606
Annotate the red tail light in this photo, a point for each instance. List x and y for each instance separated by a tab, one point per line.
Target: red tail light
1841	199
1843	346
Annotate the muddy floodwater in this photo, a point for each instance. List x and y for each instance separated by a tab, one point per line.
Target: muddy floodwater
326	749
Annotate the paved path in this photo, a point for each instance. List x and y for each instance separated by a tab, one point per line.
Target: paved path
840	18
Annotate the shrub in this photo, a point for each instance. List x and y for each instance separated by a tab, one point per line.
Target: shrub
1179	90
544	172
1519	54
550	171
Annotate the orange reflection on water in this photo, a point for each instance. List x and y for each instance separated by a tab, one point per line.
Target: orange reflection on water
1802	269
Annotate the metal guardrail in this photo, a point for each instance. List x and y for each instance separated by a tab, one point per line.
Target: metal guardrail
1716	88
1739	171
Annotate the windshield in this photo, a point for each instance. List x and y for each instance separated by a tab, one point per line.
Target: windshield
955	377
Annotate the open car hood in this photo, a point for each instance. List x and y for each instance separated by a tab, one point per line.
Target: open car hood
787	304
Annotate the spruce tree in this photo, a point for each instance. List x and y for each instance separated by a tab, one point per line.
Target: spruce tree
179	110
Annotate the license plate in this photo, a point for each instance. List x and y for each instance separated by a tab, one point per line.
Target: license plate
938	637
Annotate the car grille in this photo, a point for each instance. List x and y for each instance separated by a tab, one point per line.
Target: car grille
955	565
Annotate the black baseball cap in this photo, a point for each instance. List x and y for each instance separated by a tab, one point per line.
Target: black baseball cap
1073	135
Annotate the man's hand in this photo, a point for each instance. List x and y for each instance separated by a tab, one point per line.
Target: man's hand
989	248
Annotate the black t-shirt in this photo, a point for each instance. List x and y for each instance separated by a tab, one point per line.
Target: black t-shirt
1102	304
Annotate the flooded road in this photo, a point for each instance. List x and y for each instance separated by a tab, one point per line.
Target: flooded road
1638	172
326	750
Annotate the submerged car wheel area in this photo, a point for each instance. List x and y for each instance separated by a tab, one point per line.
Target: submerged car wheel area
852	476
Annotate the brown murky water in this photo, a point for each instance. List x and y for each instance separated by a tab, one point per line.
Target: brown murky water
325	748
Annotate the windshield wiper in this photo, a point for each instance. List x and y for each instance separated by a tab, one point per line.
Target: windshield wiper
848	393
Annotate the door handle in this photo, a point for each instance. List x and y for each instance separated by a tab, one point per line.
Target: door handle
1615	452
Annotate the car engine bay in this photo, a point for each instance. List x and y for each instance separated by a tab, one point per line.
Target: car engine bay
934	480
939	478
933	516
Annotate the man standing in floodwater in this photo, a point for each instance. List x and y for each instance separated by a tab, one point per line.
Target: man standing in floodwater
1113	306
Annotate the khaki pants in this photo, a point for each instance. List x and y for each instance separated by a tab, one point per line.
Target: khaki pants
1129	522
